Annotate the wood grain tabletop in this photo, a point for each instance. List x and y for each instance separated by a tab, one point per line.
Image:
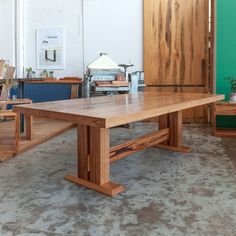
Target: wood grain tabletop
110	111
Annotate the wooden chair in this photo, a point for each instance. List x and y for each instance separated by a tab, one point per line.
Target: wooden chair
4	113
0	89
16	117
9	113
8	75
2	63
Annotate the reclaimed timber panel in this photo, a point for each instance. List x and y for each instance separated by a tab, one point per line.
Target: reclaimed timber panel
176	42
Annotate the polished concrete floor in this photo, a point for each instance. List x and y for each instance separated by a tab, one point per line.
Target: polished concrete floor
166	193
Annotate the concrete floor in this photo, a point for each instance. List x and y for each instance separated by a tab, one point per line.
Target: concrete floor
166	193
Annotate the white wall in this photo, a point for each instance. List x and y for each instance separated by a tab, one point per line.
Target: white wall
115	27
111	26
50	14
7	30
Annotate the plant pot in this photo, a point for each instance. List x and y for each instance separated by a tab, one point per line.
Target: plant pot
29	75
233	97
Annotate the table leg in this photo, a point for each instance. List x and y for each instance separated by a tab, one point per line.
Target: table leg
29	125
214	119
94	161
21	95
22	123
17	132
21	89
174	122
163	123
175	125
74	91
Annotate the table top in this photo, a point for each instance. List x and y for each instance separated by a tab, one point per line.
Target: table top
15	101
111	111
24	79
55	81
47	81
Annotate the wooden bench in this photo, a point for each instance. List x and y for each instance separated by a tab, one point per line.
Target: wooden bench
95	116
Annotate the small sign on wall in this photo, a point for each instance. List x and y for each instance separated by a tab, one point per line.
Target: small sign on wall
50	49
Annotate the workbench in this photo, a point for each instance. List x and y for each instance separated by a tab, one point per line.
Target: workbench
95	116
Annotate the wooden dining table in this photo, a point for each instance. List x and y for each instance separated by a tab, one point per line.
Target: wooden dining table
95	116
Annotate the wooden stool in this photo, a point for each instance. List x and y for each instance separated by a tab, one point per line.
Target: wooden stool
224	109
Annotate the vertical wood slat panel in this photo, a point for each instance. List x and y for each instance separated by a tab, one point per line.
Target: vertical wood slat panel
176	42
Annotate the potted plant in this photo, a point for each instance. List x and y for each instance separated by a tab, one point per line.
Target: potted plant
29	72
33	74
51	74
232	81
8	84
44	74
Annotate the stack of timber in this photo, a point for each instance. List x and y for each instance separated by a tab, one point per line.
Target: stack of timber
114	83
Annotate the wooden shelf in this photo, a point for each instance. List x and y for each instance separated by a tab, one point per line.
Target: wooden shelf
15	102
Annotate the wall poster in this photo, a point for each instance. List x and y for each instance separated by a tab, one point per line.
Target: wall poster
50	49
